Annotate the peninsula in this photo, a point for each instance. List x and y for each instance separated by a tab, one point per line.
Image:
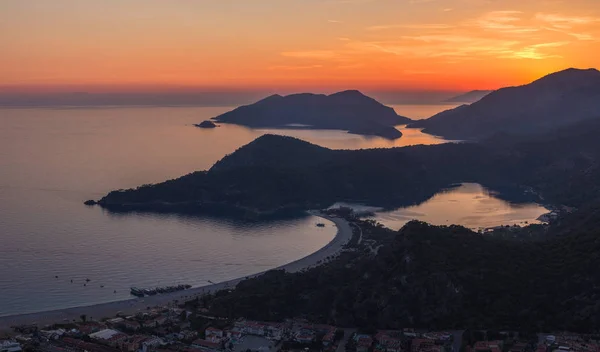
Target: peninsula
349	110
276	175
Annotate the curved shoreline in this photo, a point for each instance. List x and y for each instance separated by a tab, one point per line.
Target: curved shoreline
133	305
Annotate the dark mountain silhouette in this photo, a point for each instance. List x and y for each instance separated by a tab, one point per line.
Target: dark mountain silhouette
469	97
553	101
350	110
206	124
276	174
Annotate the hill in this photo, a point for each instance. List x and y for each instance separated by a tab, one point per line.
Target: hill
554	101
440	277
350	110
275	174
469	97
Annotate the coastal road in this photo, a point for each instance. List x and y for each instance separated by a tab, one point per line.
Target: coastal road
134	305
342	345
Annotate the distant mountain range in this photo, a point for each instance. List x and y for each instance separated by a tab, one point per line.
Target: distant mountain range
469	97
349	110
556	100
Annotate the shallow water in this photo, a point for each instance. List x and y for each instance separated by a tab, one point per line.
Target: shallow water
470	205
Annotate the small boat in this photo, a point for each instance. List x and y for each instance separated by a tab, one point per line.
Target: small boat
137	292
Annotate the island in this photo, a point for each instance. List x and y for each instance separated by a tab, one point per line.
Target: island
206	124
349	111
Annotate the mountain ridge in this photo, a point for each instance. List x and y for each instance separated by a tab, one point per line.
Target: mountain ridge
348	110
553	101
469	97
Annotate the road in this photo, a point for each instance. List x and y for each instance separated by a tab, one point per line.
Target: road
347	333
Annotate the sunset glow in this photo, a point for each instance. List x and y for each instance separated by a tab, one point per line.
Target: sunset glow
298	44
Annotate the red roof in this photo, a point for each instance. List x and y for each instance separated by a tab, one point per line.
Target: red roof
364	341
205	343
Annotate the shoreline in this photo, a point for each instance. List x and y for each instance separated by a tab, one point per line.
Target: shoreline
134	305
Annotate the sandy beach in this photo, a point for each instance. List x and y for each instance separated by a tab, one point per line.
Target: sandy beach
131	306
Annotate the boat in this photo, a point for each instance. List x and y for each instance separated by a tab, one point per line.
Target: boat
137	292
141	292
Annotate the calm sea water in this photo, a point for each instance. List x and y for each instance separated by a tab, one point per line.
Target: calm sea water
470	205
51	160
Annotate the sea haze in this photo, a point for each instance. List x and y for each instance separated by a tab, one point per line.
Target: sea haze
51	160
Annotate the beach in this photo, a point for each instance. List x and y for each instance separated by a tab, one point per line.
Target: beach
134	305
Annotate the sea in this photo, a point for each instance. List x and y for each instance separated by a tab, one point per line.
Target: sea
57	253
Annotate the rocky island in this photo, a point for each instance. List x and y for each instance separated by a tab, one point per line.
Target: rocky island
349	110
206	124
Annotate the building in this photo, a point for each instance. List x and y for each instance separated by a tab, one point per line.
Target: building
304	336
151	343
214	331
10	346
234	335
134	343
388	341
131	325
206	346
487	346
363	342
90	327
112	338
270	330
213	334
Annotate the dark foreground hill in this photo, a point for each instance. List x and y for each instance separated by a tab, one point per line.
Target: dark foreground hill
427	276
557	100
350	110
276	174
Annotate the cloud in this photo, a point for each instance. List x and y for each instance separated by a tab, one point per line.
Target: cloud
410	26
565	22
334	21
569	25
310	54
294	68
502	34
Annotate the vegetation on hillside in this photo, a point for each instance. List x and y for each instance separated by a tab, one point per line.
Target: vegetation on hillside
440	277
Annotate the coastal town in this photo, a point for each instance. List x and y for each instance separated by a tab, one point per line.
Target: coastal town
181	329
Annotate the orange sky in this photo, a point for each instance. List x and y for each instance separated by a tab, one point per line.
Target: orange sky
298	44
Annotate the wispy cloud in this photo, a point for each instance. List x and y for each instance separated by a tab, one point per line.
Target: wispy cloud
502	34
410	26
310	54
294	68
565	22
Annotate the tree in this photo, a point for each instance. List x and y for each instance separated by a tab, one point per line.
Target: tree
83	317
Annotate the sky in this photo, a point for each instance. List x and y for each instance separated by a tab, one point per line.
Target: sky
310	45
